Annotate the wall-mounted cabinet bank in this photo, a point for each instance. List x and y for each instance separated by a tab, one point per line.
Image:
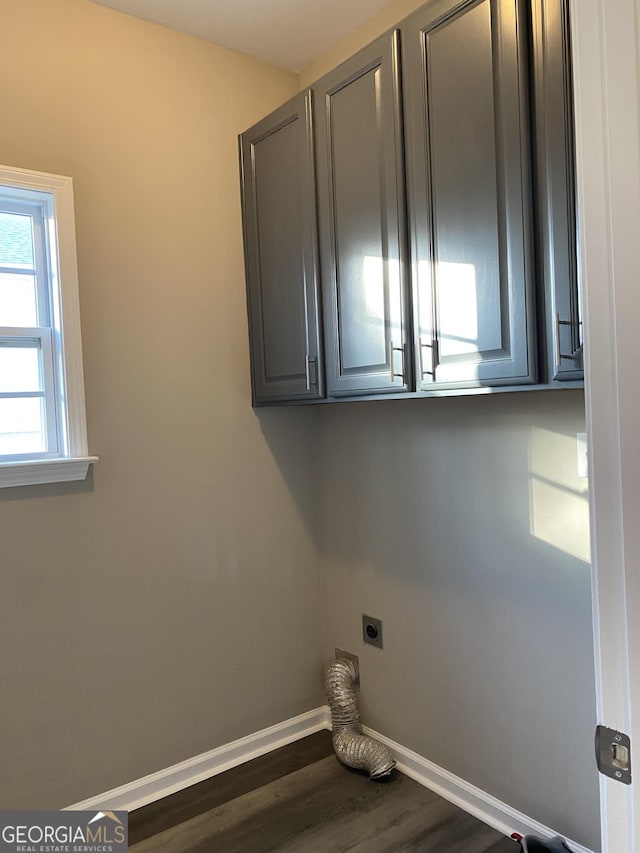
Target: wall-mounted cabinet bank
409	221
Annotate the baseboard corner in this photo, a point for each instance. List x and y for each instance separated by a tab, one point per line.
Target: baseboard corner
155	786
466	796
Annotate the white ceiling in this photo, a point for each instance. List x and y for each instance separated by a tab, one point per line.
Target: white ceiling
290	33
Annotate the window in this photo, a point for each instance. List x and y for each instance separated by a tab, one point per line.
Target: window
42	419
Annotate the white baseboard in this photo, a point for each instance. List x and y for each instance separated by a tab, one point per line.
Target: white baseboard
486	808
154	787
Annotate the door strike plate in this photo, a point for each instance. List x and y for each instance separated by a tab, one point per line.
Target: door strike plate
613	754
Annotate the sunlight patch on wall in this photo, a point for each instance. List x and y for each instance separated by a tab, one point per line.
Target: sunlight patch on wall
559	501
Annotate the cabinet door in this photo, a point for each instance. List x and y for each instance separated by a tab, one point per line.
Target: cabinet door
553	115
361	204
468	146
279	217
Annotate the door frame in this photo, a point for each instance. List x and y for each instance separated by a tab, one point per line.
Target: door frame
607	115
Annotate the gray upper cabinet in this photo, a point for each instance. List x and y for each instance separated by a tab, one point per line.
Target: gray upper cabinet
555	207
434	222
280	235
469	155
361	206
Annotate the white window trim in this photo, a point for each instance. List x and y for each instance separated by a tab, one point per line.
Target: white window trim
74	461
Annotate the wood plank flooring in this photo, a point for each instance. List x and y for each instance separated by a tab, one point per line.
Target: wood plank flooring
300	799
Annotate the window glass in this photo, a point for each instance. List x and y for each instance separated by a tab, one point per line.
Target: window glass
22	427
18	305
16	240
20	370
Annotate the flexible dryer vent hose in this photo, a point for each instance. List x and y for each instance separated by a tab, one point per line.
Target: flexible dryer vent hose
350	745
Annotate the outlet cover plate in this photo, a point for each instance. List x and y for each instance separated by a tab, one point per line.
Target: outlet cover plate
372	630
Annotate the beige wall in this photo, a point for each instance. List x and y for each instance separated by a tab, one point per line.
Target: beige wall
168	605
384	20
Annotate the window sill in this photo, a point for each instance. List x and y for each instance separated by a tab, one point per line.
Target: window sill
41	471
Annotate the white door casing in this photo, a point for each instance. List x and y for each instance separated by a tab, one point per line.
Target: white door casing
605	58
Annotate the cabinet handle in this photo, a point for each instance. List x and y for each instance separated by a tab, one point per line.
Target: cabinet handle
556	339
393	349
432	347
307	371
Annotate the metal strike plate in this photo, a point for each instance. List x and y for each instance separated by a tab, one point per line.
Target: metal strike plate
613	754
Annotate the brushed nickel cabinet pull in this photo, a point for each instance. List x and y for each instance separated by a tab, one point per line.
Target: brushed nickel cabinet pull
393	349
559	355
556	340
432	347
307	371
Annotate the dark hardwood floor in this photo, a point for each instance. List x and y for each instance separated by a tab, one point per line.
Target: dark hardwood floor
300	799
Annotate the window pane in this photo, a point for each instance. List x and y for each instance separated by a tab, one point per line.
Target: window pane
18	300
19	369
22	427
16	240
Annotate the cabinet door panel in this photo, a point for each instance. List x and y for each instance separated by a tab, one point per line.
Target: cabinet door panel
281	260
470	194
358	217
466	227
555	187
281	254
360	196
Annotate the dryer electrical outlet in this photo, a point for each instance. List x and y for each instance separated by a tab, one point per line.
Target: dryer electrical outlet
372	630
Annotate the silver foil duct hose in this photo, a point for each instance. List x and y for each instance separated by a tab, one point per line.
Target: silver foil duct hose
350	745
